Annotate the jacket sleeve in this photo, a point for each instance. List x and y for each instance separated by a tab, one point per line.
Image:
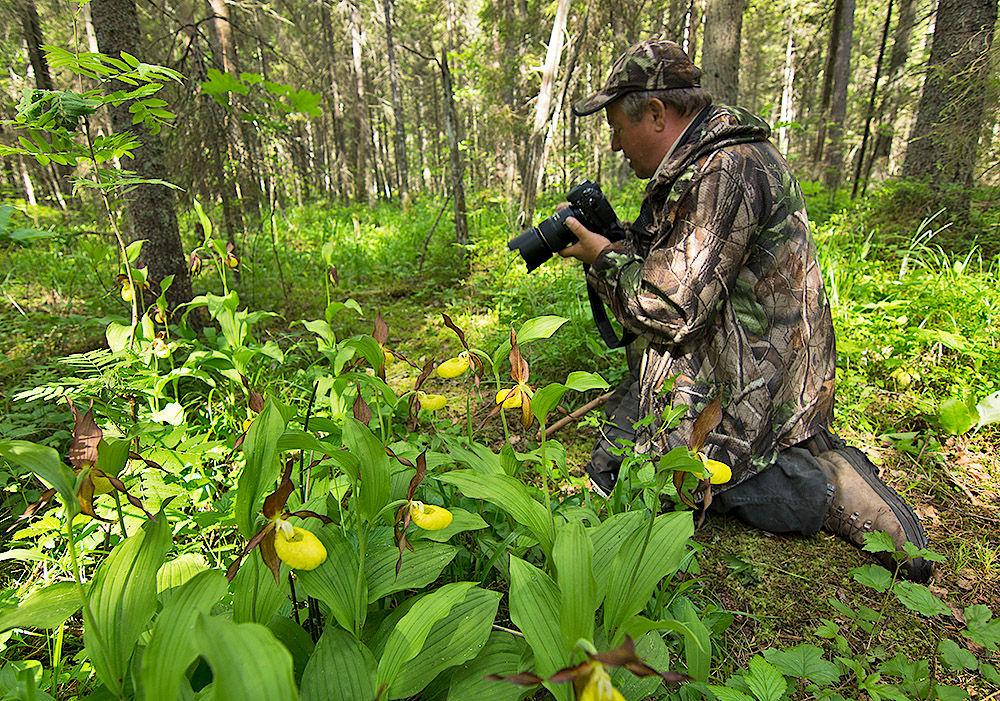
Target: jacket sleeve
676	291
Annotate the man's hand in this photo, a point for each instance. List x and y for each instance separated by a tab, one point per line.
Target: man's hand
589	245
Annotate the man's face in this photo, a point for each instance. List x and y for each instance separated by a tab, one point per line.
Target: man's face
644	143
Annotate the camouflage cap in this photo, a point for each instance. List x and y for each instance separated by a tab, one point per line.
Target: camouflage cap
654	64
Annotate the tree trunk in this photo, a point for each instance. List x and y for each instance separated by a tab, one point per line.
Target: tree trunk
399	142
451	126
534	163
151	214
945	138
838	101
720	58
32	29
224	36
364	184
787	89
870	112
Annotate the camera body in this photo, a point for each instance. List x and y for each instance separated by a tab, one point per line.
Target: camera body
588	205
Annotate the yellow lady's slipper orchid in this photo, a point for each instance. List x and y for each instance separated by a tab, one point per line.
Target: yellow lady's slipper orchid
387	354
160	348
297	547
231	261
453	367
128	293
247	423
720	472
429	517
510	397
598	686
431	402
158	316
102	485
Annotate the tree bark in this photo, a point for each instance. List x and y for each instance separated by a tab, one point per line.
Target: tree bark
364	184
945	139
32	30
224	36
835	82
720	58
151	214
892	97
870	112
787	89
534	162
457	169
399	133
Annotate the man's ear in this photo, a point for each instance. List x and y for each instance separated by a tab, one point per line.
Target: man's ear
659	112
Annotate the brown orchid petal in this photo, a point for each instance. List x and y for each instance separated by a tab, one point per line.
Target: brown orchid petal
618	656
518	365
708	420
419	476
254	542
362	412
678	487
401	460
424	374
458	332
194	262
256	401
85	496
86	436
567	674
120	486
526	416
270	557
33	509
381	331
333	274
133	455
403	544
275	502
706	502
306	513
521	678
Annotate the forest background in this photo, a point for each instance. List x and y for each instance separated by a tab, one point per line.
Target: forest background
385	151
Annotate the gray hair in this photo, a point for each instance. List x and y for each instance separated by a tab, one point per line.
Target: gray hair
683	100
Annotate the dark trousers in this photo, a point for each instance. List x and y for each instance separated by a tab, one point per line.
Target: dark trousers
791	496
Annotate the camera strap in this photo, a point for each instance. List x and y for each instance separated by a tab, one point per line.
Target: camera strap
602	321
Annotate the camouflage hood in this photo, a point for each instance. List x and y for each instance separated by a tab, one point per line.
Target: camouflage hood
723	126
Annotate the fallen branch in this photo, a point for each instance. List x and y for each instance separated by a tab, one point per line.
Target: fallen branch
576	415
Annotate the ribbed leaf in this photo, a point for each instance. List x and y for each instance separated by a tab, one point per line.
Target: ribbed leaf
697	639
45	463
172	646
766	683
420	568
247	661
176	572
335	581
374	466
510	495
256	596
452	641
340	668
261	471
501	655
534	609
573	555
640	565
407	638
462	521
122	599
608	538
45	608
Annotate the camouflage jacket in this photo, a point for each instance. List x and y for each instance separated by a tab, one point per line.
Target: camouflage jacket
725	291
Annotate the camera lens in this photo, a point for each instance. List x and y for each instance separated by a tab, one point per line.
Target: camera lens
537	244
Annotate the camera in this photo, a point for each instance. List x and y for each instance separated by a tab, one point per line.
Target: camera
590	207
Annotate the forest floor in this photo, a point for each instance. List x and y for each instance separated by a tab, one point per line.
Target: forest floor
58	298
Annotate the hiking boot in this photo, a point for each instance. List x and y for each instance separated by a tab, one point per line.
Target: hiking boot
863	503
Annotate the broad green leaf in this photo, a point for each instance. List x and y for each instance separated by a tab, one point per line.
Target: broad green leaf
501	655
573	555
651	649
112	454
919	598
697	639
420	567
509	494
408	637
804	662
957	416
44	463
176	572
874	576
374	465
340	668
256	596
640	565
454	640
247	661
878	542
122	598
723	693
765	682
260	474
582	381
539	328
296	640
608	538
981	627
118	335
335	581
956	657
45	608
461	522
172	646
545	400
946	692
534	608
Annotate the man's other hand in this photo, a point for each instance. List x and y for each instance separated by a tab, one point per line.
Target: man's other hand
589	245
